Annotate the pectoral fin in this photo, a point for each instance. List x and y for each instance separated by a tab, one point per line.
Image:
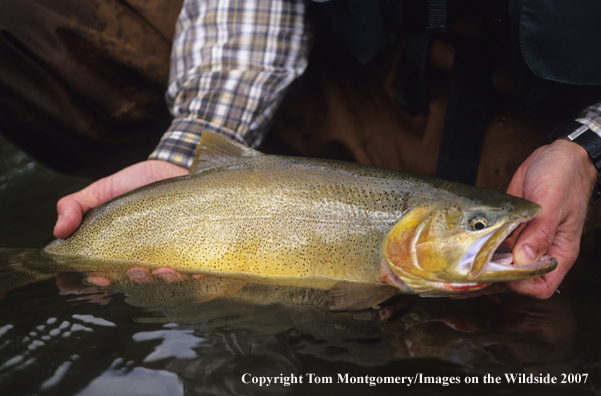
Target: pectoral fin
349	296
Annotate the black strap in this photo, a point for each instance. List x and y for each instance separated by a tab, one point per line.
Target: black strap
467	111
412	81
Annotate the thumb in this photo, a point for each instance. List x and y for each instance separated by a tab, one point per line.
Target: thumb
72	207
535	239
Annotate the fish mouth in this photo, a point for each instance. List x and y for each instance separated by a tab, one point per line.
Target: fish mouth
493	261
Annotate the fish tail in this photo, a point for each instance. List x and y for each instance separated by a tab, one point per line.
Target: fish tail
15	271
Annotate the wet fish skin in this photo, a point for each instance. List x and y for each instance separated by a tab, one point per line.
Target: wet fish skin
302	222
290	227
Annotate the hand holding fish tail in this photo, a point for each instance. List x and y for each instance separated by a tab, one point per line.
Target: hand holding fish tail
72	207
560	177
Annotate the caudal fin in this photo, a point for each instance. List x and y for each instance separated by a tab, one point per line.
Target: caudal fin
15	271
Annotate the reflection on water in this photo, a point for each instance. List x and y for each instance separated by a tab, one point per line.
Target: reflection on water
155	339
65	336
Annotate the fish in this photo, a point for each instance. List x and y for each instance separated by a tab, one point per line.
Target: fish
364	233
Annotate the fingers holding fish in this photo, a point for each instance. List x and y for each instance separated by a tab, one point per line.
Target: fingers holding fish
559	177
169	275
70	212
70	283
139	275
98	280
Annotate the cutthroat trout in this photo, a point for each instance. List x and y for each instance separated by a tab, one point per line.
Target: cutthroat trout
364	232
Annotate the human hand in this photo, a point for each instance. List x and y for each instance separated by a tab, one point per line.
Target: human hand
72	207
560	177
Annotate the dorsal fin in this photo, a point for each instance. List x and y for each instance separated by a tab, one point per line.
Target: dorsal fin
216	150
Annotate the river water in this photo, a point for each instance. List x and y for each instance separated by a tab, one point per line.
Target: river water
66	336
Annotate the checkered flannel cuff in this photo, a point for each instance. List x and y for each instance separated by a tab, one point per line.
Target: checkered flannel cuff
178	144
591	117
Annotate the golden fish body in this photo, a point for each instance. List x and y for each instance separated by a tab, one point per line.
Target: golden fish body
305	222
283	220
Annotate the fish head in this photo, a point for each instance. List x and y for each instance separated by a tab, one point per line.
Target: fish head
443	248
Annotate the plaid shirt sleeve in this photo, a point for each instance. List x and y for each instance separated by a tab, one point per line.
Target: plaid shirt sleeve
591	116
230	64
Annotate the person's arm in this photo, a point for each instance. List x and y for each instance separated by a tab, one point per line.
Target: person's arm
230	65
560	177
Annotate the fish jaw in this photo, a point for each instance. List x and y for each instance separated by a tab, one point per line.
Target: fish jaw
494	260
502	269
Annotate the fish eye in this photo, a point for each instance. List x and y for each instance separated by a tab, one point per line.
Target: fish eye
478	223
506	207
